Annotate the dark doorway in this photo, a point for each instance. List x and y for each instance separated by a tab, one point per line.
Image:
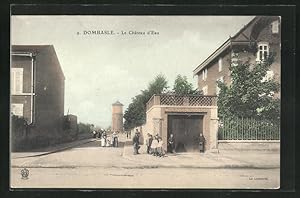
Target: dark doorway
186	130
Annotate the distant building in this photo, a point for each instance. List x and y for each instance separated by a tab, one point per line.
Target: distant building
37	93
117	117
256	40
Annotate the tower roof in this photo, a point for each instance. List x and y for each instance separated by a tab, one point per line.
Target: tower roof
117	103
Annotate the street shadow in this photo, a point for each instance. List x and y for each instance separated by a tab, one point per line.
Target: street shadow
47	148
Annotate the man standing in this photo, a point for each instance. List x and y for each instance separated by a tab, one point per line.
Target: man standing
171	143
115	139
94	134
201	143
136	143
149	142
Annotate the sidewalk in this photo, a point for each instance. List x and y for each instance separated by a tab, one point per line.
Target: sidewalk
50	149
245	159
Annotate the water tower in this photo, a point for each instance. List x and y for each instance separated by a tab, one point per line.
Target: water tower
117	117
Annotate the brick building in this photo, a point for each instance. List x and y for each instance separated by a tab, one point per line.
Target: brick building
259	38
37	94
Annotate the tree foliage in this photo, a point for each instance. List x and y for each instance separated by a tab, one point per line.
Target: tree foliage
84	127
135	114
250	94
183	87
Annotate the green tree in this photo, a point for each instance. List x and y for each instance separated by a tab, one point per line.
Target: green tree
183	87
250	94
84	127
135	114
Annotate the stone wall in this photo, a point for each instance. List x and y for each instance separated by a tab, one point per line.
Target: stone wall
248	145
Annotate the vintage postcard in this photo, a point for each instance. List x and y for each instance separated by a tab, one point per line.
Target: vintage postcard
155	102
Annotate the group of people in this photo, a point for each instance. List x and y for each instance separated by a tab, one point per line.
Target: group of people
107	141
155	145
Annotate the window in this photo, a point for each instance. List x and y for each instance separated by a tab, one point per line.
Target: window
205	90
16	80
269	76
220	64
221	79
234	58
17	109
204	74
263	51
275	27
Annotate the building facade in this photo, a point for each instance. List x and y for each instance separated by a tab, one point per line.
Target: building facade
261	37
117	117
37	93
186	117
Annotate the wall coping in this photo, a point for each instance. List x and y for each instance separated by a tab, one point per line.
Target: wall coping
172	106
248	141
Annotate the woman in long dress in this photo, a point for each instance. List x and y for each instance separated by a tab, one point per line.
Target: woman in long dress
154	145
103	142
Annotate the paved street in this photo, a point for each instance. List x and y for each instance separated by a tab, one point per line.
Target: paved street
91	166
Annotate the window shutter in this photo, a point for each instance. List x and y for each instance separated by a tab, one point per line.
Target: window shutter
275	27
17	80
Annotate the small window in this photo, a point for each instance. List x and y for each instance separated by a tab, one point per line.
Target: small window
217	89
221	79
262	52
234	58
204	74
205	90
16	80
275	27
17	109
220	64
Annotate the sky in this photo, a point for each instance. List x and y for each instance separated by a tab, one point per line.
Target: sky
100	69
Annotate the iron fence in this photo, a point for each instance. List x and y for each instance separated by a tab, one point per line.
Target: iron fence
248	129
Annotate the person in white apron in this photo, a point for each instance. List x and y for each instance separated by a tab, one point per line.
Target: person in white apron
103	142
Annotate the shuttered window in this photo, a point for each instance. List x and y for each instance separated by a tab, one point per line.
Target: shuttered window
16	80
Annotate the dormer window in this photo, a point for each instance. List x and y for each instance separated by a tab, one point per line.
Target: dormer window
263	51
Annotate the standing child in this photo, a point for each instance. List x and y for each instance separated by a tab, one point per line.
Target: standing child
154	145
160	150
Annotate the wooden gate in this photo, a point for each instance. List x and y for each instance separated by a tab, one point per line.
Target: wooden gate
186	130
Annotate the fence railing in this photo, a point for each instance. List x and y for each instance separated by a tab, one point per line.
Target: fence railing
179	100
248	129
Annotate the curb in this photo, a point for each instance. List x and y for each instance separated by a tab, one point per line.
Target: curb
55	150
159	166
204	166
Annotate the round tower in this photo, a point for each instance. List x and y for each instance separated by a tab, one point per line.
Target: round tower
117	117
